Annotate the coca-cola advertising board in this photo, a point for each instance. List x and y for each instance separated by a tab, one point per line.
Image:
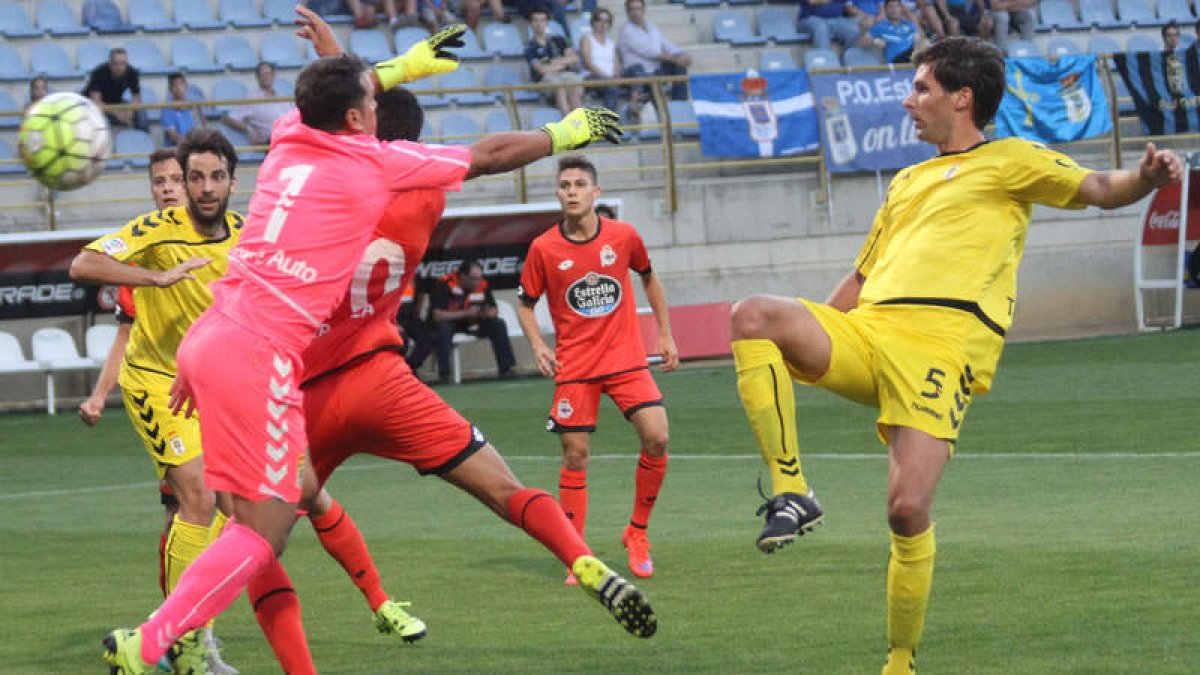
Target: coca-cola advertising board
1161	224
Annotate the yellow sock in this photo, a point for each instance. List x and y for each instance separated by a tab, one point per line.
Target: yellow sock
184	544
765	386
909	578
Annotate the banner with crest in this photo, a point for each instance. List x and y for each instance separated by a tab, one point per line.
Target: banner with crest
1165	87
1053	101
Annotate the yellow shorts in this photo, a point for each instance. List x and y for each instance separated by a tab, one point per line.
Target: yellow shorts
170	440
880	358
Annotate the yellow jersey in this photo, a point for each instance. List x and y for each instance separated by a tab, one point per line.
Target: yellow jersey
161	240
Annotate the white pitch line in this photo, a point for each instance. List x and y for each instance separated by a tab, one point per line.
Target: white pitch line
718	458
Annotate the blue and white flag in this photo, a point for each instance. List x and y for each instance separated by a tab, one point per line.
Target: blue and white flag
1165	87
864	121
754	115
1053	102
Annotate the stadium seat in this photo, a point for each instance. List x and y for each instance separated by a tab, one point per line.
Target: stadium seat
502	39
541	116
1021	49
7	152
89	54
1099	14
407	37
428	100
282	12
241	14
191	55
821	58
233	51
497	121
683	119
54	349
151	17
148	96
1143	43
58	19
241	142
732	27
465	130
104	17
506	311
858	57
464	78
472	50
579	26
98	341
370	44
225	89
745	2
776	59
1062	46
281	49
146	57
1138	13
51	60
14	21
1103	44
501	75
1059	15
284	87
9	104
137	143
196	15
1175	10
701	3
12	357
779	26
552	28
12	68
1120	92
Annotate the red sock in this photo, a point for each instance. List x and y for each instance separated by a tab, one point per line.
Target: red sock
536	512
162	562
648	478
342	540
572	495
277	609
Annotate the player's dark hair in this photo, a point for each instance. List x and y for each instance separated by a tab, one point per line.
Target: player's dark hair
206	140
160	155
399	115
465	266
1170	24
116	51
578	162
329	87
543	12
172	77
967	62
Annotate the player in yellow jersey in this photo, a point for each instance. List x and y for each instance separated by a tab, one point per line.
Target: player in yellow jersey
916	328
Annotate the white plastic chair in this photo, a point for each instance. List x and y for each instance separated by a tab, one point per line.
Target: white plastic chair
12	358
98	342
54	349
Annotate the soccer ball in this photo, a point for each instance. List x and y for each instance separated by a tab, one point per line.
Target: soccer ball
64	141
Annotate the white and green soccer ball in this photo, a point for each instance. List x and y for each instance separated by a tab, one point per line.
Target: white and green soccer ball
64	141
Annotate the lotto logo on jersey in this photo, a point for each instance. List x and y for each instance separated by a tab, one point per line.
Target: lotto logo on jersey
594	295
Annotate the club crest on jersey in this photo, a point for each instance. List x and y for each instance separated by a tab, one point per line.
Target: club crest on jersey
566	264
564	410
594	295
177	446
607	256
114	246
950	172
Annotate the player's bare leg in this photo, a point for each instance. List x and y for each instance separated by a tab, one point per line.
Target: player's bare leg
915	464
769	334
653	431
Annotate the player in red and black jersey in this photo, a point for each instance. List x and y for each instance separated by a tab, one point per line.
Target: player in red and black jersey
583	267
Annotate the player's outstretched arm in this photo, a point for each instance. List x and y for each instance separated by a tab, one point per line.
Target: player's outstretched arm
497	153
91	409
314	29
97	268
656	295
1121	187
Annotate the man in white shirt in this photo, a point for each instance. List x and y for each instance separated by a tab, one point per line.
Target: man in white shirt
256	119
644	50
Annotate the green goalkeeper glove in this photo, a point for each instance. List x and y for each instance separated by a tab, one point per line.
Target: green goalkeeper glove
427	57
582	126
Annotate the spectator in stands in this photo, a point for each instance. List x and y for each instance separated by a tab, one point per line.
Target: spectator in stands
554	8
828	20
866	12
644	50
366	12
39	88
471	10
552	60
599	53
435	14
966	17
1010	14
103	16
107	84
1171	35
898	37
925	14
176	122
462	303
327	7
256	119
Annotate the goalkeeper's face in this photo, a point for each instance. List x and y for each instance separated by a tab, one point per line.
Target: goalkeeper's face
209	185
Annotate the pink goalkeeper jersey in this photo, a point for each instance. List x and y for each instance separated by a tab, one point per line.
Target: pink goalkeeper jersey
318	199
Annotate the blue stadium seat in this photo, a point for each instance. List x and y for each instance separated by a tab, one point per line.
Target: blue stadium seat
146	57
104	17
281	49
858	57
732	27
745	2
7	152
9	104
1138	13
1143	43
1177	10
425	99
196	15
683	119
466	128
241	141
701	3
1062	46
579	26
14	21
821	58
1103	44
472	49
226	89
137	143
241	14
282	12
1021	49
12	68
151	17
779	26
407	37
465	77
370	44
502	39
284	87
191	55
148	96
503	75
57	18
497	121
233	51
541	116
1099	13
1059	15
1125	103
776	59
51	60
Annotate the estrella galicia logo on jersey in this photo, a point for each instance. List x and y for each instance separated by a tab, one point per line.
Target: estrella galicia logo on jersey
607	256
594	295
564	410
114	246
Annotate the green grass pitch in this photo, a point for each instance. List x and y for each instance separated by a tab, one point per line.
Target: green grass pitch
1067	535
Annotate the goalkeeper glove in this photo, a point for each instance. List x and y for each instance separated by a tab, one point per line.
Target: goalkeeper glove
582	126
427	57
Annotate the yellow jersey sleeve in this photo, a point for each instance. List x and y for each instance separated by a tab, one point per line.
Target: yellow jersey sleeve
1037	174
130	243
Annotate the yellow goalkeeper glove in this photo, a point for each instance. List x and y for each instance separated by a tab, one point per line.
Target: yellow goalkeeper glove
427	57
582	126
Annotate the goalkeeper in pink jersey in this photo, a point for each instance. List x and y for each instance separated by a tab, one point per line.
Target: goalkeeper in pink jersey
306	231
